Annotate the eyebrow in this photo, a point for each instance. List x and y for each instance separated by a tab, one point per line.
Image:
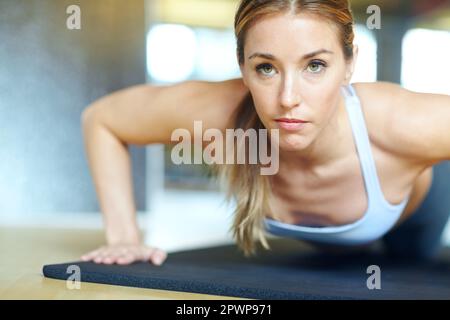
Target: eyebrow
306	56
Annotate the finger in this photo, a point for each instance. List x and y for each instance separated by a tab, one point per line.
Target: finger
86	257
145	254
97	259
90	255
108	259
112	256
159	257
125	259
100	256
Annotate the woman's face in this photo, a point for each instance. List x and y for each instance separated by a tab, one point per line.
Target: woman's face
294	68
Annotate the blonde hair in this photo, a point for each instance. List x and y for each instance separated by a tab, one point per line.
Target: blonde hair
243	182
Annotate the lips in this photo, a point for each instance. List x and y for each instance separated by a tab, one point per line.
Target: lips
287	120
292	125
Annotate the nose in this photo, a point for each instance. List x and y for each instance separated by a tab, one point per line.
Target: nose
290	95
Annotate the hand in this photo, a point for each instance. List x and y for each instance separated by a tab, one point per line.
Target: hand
125	254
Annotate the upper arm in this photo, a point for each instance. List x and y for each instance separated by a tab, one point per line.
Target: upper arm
419	125
146	114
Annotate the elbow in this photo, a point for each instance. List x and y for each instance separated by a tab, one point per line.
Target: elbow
88	116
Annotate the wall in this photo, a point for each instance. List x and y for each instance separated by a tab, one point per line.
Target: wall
48	75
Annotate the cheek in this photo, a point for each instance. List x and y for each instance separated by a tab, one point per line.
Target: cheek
327	106
323	101
265	102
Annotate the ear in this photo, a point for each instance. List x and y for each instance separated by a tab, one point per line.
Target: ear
350	68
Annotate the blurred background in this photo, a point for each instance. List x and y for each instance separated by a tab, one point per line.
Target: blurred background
49	74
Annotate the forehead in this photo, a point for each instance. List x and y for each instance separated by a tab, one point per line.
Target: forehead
291	33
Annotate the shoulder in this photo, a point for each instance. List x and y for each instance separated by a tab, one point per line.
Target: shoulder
378	101
215	103
149	113
405	123
379	97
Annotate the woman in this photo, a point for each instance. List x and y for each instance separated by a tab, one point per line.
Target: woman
357	162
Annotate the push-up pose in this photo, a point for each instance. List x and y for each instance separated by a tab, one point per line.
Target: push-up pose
357	162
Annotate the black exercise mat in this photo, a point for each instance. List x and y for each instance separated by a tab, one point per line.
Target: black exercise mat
291	270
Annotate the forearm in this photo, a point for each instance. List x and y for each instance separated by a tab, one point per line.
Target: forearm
109	163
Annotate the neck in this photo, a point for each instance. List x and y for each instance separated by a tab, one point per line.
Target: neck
328	147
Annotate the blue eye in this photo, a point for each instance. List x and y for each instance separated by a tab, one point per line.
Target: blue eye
264	68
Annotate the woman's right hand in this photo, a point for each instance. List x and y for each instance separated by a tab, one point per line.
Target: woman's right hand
126	254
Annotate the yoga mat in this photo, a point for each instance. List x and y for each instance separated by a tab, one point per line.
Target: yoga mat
291	270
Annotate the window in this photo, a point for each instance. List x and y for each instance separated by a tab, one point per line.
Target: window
171	51
366	63
426	62
176	53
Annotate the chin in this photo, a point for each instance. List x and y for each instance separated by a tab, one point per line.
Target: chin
293	143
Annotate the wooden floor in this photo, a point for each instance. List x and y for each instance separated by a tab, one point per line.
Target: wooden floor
23	252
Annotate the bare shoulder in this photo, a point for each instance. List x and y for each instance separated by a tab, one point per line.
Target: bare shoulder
213	103
408	124
381	91
216	103
379	100
147	113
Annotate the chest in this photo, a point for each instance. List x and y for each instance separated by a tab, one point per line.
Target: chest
336	195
